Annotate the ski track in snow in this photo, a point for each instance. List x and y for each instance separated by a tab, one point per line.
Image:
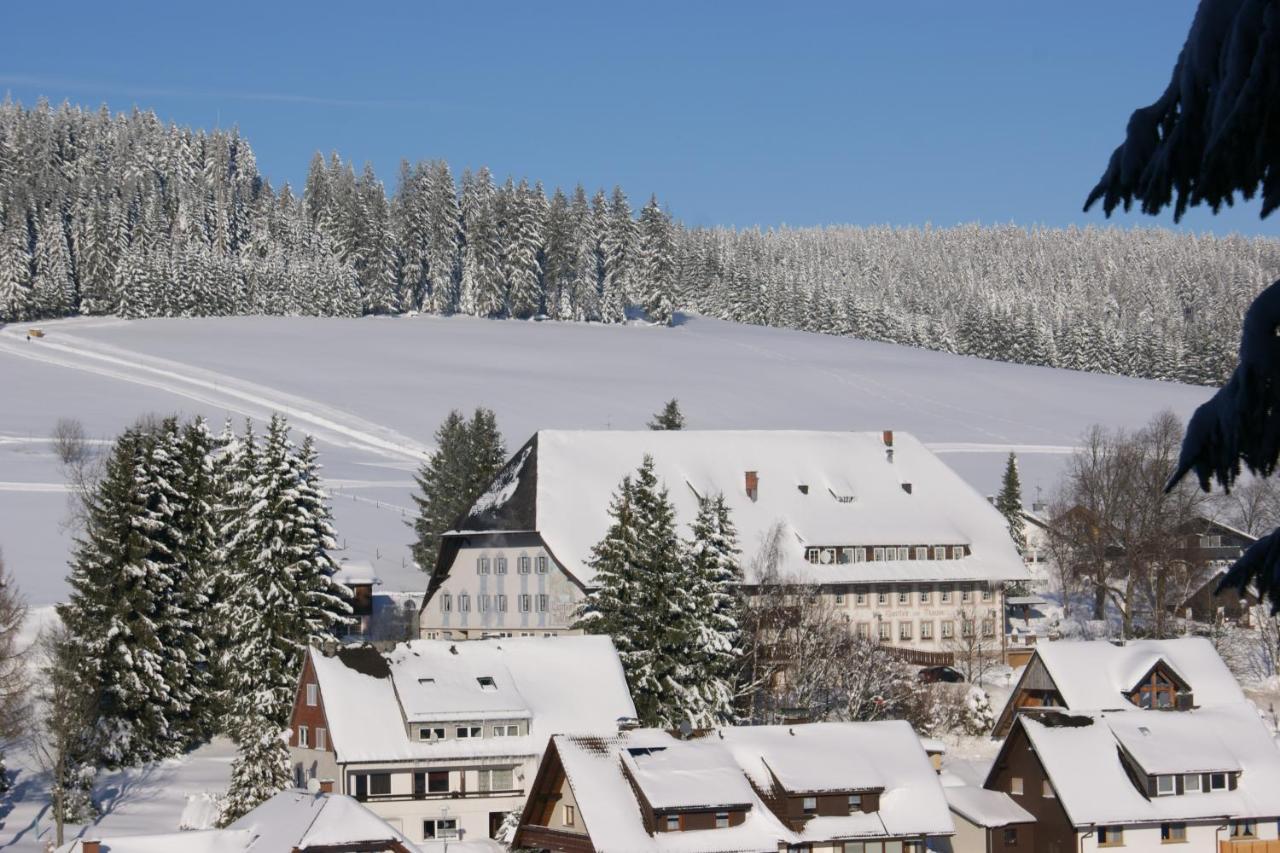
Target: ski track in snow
215	390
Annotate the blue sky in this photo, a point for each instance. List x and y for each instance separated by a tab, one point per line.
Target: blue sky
733	113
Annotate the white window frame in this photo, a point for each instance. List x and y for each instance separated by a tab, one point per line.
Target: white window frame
809	805
1163	781
926	629
904	596
304	737
446	602
939	552
313	694
859	555
1213	782
322	738
722	820
500	603
1015	786
500	564
922	552
1188	787
878	555
525	602
904	553
482	565
464	603
441	828
541	602
523	564
673	823
925	596
904	630
471	732
860	598
540	563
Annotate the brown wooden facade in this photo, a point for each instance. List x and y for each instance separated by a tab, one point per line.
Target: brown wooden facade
1053	831
310	716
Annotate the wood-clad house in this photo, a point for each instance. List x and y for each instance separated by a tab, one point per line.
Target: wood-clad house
1208	778
903	549
1174	674
847	787
442	739
989	822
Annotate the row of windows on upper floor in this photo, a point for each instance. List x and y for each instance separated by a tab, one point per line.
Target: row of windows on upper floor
907	629
824	556
435	733
525	603
924	595
524	564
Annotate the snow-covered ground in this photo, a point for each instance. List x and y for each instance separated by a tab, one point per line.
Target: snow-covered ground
373	390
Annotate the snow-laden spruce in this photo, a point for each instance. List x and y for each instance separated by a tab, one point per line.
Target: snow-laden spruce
669	605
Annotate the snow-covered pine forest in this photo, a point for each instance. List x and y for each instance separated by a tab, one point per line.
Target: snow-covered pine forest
122	214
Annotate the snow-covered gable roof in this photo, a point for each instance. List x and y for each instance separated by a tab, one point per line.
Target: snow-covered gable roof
1172	743
298	820
1097	673
680	774
1084	764
291	820
562	684
981	807
823	757
827	489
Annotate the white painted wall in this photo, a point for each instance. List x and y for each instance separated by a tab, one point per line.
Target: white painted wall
562	597
1200	837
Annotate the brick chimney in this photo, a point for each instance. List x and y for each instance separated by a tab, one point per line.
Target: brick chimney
752	482
90	846
888	438
326	786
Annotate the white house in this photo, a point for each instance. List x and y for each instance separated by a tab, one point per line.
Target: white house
290	822
1143	779
442	739
900	545
1173	674
846	787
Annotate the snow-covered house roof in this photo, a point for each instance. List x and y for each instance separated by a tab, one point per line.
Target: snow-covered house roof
292	820
1084	756
731	767
1098	674
569	684
356	573
981	807
831	757
828	489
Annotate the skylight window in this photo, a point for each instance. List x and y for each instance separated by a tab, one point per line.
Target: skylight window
486	682
426	681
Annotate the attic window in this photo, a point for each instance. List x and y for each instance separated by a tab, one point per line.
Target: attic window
844	499
637	751
425	681
804	489
486	682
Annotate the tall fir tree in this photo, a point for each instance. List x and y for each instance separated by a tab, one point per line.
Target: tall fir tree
714	577
122	610
1009	502
656	263
260	769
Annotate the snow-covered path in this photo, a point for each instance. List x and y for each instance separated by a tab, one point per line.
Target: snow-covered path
217	390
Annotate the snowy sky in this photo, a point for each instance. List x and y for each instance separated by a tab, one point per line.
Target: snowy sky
905	112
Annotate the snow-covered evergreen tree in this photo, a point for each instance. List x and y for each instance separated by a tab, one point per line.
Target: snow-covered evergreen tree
655	266
670	417
260	769
714	576
1009	502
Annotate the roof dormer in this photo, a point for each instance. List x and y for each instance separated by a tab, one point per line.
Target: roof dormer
1162	689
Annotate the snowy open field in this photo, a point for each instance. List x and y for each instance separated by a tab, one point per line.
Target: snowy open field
373	390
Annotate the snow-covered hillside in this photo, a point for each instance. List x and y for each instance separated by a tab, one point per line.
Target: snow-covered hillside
373	390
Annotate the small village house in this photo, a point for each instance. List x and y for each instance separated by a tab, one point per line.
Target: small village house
1140	780
442	739
847	787
988	822
1174	674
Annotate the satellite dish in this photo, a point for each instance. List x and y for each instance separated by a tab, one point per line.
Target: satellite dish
313	785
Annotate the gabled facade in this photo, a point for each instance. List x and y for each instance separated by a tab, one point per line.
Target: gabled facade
440	739
903	549
1174	675
1144	779
738	789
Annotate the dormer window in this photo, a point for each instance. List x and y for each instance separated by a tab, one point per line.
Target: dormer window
855	803
1166	786
1217	781
430	733
1156	690
1191	783
809	805
673	822
486	682
722	820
